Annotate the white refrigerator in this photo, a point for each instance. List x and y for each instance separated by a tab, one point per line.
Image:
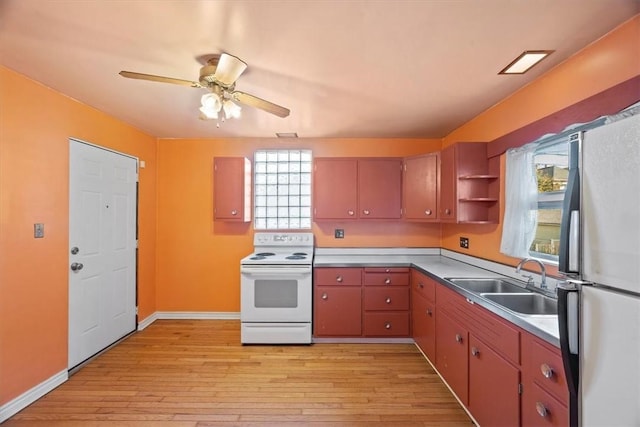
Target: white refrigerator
599	304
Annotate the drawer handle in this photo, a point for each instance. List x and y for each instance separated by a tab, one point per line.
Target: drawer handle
447	211
387	281
387	325
429	312
386	270
366	211
427	212
339	279
542	410
475	352
458	338
469	301
388	300
350	212
234	212
421	285
546	370
325	296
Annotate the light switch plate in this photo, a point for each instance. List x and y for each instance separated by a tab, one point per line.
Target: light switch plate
38	230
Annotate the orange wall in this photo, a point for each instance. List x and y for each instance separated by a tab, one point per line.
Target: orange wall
607	62
35	124
199	259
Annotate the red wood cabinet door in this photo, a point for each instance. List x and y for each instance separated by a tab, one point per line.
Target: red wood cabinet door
448	185
337	311
424	325
419	187
379	188
231	189
452	355
494	398
540	408
335	188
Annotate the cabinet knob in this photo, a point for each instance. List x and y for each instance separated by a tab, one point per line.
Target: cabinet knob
387	325
325	296
447	211
421	285
427	212
350	212
366	211
429	312
234	212
458	338
339	279
546	370
386	270
542	410
387	281
388	300
474	351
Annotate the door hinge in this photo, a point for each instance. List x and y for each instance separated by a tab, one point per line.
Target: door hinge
520	388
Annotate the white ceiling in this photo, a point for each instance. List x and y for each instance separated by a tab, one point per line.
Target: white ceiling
345	68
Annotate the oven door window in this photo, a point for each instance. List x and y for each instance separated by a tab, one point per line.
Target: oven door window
275	293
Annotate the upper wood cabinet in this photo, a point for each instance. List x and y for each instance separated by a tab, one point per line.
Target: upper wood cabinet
350	188
232	189
469	184
420	187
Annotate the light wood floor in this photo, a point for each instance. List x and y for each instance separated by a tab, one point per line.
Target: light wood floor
196	373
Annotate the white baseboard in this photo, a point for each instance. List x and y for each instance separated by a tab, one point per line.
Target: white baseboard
188	315
14	406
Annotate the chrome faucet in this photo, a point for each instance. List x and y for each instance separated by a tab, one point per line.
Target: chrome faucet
543	271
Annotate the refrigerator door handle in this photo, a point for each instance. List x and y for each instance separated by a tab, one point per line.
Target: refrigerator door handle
569	256
568	317
574	241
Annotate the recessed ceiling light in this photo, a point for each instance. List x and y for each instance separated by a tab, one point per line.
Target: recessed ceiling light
286	134
525	61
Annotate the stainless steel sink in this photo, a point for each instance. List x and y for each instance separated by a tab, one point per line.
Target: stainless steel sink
491	285
528	304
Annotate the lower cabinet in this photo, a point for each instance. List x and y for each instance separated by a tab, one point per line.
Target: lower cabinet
366	302
452	354
423	313
494	398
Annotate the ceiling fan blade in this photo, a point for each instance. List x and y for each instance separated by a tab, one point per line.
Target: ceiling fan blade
153	78
229	68
254	101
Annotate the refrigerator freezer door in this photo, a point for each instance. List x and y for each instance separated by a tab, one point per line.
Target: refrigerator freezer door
610	208
610	359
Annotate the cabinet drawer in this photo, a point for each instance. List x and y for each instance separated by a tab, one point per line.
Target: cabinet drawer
337	276
423	285
542	409
386	279
386	298
547	370
386	324
386	270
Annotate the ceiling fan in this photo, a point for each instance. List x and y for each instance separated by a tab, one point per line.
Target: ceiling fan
219	77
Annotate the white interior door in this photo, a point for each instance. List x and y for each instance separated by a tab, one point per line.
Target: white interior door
102	248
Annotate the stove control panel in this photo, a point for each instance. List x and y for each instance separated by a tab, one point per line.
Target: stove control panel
283	239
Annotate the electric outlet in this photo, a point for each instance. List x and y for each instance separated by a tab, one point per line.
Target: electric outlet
464	242
38	230
339	233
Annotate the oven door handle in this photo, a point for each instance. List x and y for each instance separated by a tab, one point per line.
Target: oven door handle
275	271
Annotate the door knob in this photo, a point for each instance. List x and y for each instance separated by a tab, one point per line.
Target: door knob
76	266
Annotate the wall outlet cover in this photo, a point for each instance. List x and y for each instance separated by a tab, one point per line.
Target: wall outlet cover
339	233
464	242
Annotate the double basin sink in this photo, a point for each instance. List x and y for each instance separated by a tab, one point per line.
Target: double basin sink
509	295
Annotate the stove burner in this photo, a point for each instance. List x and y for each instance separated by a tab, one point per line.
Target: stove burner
257	258
300	253
296	257
264	254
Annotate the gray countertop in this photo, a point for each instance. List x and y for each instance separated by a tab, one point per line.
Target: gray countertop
439	267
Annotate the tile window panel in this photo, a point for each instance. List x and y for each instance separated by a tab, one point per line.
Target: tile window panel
282	189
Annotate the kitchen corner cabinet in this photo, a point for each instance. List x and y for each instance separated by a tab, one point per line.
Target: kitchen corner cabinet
420	187
478	355
232	189
423	313
357	188
469	185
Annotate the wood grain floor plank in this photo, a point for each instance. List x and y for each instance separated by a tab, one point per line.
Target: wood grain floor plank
184	373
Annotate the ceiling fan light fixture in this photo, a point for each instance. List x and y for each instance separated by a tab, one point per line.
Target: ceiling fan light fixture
210	105
231	109
525	61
